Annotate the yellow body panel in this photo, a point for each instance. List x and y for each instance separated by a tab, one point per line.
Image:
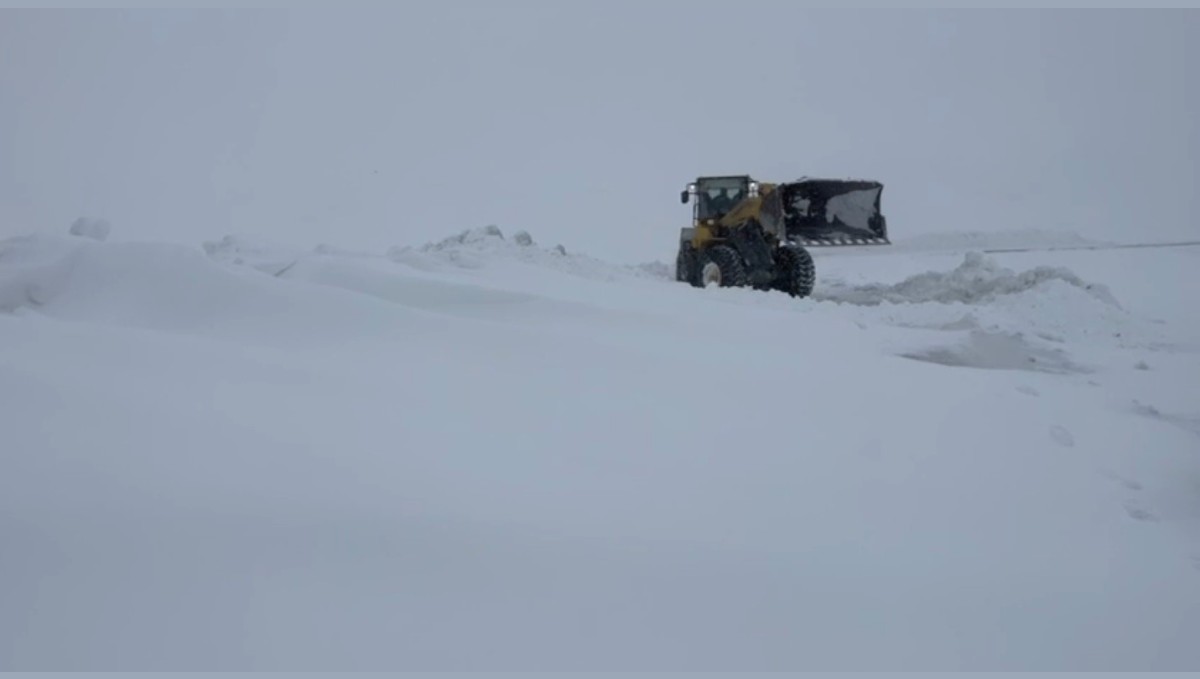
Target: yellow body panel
704	230
749	208
703	233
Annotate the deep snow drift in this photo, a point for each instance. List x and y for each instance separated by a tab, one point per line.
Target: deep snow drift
977	279
492	453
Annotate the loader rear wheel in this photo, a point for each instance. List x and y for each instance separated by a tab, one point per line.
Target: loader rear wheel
723	266
797	273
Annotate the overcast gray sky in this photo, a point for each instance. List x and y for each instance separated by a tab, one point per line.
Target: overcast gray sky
580	121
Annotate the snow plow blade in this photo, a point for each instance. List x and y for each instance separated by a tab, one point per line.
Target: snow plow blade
833	212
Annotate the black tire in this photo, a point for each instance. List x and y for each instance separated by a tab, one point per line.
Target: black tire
797	273
722	265
686	265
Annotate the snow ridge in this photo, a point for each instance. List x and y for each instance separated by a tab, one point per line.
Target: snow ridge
978	279
480	247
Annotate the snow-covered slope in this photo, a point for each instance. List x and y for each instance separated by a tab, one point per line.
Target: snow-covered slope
486	453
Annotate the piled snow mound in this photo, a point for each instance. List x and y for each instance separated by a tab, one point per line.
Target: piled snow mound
96	229
978	279
176	289
268	258
483	247
137	284
477	273
471	250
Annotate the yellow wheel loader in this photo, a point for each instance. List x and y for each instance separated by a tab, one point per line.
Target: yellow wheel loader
746	233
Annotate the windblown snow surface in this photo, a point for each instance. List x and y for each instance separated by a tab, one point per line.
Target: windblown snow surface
489	453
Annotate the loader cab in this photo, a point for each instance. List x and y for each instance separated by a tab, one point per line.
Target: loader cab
714	197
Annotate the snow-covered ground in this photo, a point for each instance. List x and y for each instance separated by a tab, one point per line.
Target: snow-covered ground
494	453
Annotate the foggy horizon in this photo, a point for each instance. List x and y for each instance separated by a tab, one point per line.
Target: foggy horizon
580	123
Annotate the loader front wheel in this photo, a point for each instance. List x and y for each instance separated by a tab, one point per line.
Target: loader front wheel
797	273
685	265
721	265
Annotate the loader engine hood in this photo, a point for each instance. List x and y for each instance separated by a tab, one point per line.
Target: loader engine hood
833	212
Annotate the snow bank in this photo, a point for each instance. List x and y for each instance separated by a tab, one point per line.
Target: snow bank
148	285
384	280
269	258
978	279
477	273
176	289
484	247
484	251
1044	317
999	350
